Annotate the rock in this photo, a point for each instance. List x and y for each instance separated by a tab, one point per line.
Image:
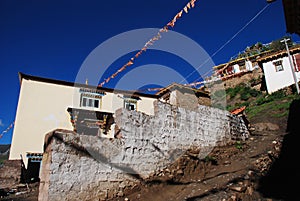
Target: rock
227	162
120	194
249	190
20	193
263	163
246	177
170	176
233	198
250	173
252	129
21	186
238	188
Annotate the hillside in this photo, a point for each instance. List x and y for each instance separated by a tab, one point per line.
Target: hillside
4	152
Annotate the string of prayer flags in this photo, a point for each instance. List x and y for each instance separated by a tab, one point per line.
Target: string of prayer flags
171	24
7	129
194	84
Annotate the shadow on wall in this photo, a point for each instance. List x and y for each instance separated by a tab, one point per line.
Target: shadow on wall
281	182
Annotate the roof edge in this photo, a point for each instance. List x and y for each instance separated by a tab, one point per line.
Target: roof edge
74	84
281	53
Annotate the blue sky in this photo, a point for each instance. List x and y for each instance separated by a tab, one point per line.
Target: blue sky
52	38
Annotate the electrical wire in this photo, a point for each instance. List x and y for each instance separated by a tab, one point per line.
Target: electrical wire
227	42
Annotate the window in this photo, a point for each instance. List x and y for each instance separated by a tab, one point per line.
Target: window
278	66
297	62
90	101
130	104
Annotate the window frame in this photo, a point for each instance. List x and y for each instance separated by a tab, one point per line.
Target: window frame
130	102
89	100
278	66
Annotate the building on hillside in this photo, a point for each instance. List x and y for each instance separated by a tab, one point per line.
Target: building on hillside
235	72
272	68
236	67
47	104
277	69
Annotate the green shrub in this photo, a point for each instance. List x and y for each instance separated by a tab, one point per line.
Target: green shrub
261	100
277	95
244	91
245	96
211	159
239	145
232	92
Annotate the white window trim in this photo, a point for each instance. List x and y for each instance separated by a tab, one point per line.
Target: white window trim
91	97
130	101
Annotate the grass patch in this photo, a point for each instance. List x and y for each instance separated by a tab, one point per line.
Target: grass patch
245	92
275	106
257	104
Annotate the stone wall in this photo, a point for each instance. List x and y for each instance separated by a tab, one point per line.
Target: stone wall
204	101
81	167
184	98
73	169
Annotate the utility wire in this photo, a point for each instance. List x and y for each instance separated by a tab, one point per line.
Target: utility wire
227	42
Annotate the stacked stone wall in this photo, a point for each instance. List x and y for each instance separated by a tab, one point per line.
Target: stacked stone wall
81	167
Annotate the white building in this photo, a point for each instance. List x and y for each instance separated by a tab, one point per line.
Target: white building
277	69
47	104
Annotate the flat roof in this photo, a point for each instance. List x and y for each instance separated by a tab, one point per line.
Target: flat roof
280	54
238	60
180	86
73	84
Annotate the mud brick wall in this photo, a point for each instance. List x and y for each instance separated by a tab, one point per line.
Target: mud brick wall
72	170
81	167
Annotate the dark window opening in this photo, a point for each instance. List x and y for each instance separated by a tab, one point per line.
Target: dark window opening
84	102
130	106
90	102
278	66
96	104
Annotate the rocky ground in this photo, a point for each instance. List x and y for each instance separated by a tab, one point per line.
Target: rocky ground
264	167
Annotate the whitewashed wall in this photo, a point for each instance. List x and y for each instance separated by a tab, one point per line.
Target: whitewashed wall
278	80
42	107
